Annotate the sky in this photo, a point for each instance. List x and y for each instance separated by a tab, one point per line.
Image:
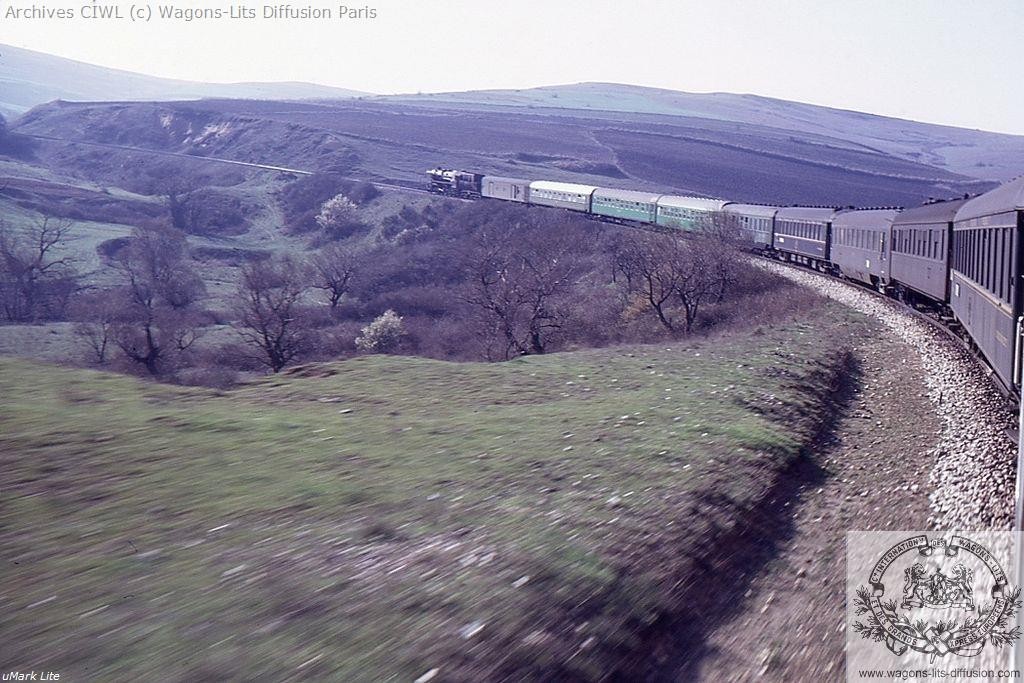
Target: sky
955	62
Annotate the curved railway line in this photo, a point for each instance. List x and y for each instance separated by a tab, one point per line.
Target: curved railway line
974	466
946	325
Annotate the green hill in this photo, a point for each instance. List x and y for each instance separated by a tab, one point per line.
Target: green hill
386	516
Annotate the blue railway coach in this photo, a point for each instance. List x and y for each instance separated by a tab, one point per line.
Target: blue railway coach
754	222
802	234
919	258
985	276
860	245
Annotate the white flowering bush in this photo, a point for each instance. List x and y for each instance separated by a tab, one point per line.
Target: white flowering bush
336	213
382	335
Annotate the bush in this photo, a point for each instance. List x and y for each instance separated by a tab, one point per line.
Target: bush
302	199
210	213
383	335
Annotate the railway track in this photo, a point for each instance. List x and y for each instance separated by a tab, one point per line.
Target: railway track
931	320
975	463
218	160
935	321
946	325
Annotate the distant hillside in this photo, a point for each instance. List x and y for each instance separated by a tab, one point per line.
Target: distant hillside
717	143
395	142
979	154
30	78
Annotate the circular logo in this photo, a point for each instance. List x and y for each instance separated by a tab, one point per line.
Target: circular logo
917	577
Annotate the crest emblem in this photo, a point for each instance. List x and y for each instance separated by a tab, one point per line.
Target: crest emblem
894	609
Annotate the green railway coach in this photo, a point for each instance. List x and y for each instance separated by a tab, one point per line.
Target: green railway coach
625	205
686	213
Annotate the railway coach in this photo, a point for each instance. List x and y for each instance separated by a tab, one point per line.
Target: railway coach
860	245
569	196
754	222
985	276
625	205
802	234
686	213
919	254
509	189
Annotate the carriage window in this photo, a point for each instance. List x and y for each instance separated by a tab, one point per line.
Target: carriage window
979	253
986	258
1011	249
969	253
1004	260
978	246
989	258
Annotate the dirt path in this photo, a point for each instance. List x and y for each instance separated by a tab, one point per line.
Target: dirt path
790	625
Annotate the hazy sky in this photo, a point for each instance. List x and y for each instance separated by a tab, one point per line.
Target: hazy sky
946	61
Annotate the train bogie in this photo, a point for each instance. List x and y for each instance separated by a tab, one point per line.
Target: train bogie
625	205
985	276
860	244
686	213
919	258
569	196
509	189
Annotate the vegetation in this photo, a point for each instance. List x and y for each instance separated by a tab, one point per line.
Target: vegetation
36	280
329	509
383	335
469	282
386	516
267	310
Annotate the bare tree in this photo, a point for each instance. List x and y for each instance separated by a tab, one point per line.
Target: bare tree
520	281
333	269
675	273
268	309
699	280
99	313
35	271
159	285
649	264
158	260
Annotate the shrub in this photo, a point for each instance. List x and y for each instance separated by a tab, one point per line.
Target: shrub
383	335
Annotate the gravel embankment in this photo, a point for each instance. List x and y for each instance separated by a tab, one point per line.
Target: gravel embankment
973	475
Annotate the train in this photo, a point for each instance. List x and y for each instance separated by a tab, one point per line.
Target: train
963	257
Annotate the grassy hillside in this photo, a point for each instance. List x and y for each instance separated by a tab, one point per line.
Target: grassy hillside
397	141
386	516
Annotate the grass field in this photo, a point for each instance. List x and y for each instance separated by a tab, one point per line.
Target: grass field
383	517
